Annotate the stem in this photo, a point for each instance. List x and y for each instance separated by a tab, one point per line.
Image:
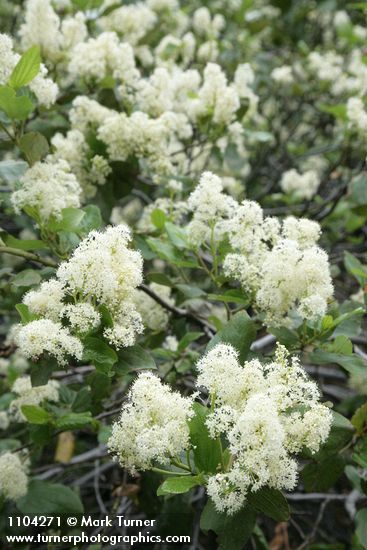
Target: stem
27	256
180	464
169	472
188	459
7	132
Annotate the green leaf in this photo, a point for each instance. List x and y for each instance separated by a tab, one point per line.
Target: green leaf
351	363
160	279
106	316
177	235
190	292
25	315
27	277
35	414
338	111
178	485
16	107
41	372
26	69
240	332
188	338
21	244
285	336
270	502
49	498
70	221
102	356
82	400
34	146
12	170
92	219
207	451
361	523
231	296
359	419
355	268
341	433
233	531
41	434
321	476
134	358
74	420
158	218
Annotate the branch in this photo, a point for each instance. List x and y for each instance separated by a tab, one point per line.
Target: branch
27	256
208	328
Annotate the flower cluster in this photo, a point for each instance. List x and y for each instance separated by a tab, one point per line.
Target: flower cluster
279	265
13	476
46	189
102	271
152	427
266	412
31	395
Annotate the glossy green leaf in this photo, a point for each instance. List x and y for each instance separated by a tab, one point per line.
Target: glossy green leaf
34	146
101	354
49	498
207	451
321	476
134	358
178	485
240	332
16	107
27	277
270	502
233	531
35	414
27	68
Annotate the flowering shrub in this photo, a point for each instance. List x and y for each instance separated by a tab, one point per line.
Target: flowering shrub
183	267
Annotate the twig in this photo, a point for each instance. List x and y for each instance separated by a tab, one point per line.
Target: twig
313	533
263	342
208	328
97	473
319	496
27	256
98	452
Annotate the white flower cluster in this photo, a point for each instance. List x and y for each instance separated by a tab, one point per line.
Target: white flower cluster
44	88
103	56
357	114
283	75
303	186
46	336
74	149
346	74
46	189
280	266
132	22
209	206
137	135
161	104
42	26
13	476
31	395
101	271
267	412
152	427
